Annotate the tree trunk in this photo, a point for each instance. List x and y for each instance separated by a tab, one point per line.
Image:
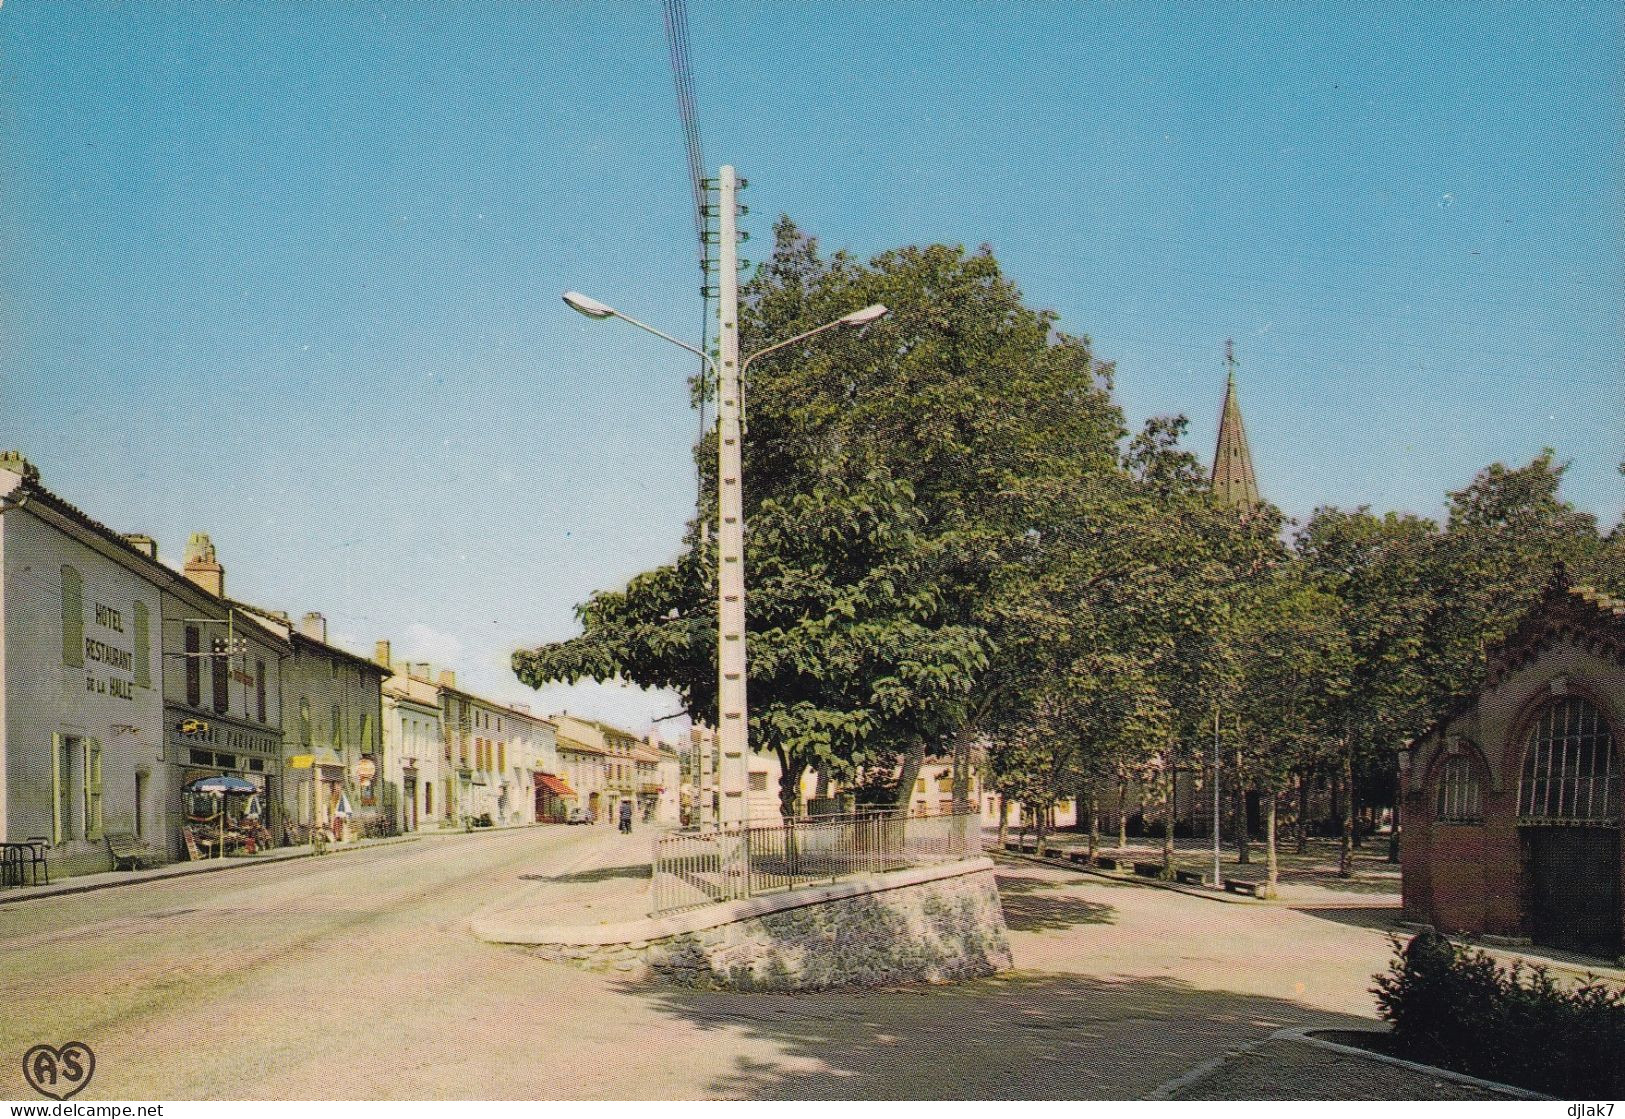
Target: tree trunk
961	768
1303	813
1094	823
1345	854
1168	820
1122	813
1270	797
1004	819
1243	853
911	773
789	786
1356	809
1393	830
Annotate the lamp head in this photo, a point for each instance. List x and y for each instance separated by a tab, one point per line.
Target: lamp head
588	306
864	317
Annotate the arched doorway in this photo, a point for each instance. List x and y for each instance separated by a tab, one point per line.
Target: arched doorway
1568	816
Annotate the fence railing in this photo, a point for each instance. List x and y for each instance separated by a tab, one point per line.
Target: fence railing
728	864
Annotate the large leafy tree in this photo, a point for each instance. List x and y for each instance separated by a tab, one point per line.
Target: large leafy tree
886	483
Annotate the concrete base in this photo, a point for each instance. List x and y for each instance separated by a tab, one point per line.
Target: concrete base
925	924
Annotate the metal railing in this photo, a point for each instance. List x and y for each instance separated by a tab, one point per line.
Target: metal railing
702	868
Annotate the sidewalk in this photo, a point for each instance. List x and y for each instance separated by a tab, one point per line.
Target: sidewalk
83	883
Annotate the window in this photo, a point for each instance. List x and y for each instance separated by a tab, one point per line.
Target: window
338	729
143	648
220	677
73	618
945	784
428	798
502	755
304	721
140	801
1569	767
259	689
194	668
1459	796
919	785
758	782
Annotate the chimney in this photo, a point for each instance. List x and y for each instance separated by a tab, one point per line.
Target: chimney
522	708
313	626
380	653
142	543
448	678
201	566
420	670
18	465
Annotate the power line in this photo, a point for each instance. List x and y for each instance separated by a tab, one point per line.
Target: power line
675	16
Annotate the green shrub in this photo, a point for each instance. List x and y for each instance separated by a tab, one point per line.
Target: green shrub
1456	1008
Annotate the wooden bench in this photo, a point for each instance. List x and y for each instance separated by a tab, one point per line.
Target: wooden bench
1251	889
1190	878
1148	870
1078	856
126	848
1053	852
1105	862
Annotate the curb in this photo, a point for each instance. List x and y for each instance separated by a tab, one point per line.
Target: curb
1301	1035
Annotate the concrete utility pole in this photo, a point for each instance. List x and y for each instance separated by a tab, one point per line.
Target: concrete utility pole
733	728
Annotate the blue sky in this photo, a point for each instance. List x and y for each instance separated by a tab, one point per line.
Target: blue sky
290	275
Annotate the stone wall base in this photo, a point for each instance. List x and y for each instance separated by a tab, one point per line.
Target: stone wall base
933	932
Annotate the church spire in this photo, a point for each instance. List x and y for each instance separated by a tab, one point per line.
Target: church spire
1232	478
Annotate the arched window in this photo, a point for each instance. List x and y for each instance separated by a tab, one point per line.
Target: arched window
1570	771
1459	792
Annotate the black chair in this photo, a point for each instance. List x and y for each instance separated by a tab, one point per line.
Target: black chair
11	864
37	864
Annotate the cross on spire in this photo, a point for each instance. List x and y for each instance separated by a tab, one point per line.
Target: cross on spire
1232	478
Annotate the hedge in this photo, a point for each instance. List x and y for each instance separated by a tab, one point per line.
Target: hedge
1456	1008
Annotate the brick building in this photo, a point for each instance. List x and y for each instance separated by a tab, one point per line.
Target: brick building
1511	807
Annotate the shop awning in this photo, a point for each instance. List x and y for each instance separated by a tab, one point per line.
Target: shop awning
558	786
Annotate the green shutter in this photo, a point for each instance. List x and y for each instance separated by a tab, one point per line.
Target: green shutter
73	618
57	777
143	648
93	789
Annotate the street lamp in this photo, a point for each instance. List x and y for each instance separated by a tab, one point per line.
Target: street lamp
731	706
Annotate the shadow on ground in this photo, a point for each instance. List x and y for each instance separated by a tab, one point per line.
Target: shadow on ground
1013	1037
599	874
1384	917
1029	906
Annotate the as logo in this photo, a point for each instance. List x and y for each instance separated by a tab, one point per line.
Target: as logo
59	1073
194	726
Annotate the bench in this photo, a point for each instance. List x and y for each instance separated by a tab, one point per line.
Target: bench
1148	870
1190	878
1053	852
126	848
1079	856
1251	889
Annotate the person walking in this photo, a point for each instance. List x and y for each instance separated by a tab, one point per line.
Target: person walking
626	816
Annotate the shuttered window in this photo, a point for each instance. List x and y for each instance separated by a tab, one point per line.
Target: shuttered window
73	618
93	788
194	667
143	647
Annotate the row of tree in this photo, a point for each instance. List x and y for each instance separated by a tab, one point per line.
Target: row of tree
953	538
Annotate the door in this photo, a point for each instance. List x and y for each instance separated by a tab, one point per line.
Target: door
1574	887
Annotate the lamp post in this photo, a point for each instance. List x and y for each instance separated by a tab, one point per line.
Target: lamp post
732	729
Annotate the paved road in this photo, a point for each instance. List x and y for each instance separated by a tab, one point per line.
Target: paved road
354	976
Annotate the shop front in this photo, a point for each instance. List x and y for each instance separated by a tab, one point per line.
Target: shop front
221	777
554	798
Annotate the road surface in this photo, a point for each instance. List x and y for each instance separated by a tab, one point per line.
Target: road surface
354	976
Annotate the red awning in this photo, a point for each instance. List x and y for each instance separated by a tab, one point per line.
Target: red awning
558	786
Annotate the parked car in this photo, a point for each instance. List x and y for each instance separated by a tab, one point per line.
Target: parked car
579	816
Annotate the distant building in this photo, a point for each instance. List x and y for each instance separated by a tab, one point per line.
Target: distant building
1511	803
